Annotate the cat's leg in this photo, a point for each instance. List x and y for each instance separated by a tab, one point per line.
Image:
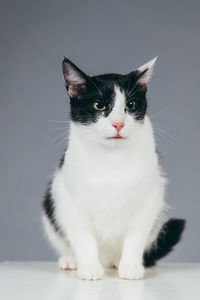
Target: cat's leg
66	259
78	228
135	240
84	244
86	250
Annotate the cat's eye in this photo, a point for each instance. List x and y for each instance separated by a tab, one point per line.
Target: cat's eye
130	105
99	106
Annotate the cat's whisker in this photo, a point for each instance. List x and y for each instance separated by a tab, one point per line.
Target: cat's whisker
60	128
159	112
167	133
57	137
165	129
160	134
65	140
170	136
65	123
134	92
57	121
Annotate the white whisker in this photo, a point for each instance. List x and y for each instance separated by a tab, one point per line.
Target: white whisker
57	121
60	143
57	137
60	128
156	114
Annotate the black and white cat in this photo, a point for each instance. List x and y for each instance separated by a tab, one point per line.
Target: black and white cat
103	207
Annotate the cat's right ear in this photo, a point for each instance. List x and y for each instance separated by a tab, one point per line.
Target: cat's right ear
75	79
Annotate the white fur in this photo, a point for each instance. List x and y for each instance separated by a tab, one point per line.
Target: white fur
149	66
109	195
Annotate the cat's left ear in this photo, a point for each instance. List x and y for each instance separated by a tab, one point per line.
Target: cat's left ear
75	79
146	71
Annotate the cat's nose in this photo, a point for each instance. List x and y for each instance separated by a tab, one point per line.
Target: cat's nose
118	125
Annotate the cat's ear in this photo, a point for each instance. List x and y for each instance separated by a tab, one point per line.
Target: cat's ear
146	71
75	79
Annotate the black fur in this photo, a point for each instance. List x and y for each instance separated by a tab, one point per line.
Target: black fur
101	88
168	237
62	159
48	207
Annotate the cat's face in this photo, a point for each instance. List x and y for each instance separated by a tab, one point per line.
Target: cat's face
108	109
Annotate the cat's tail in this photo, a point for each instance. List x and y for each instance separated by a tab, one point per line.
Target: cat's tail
169	235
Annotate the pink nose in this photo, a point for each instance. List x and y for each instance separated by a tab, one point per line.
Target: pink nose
118	125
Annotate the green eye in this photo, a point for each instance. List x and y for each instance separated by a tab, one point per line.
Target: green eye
130	105
99	106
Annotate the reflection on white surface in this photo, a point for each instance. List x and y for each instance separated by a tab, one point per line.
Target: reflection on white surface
95	290
44	281
111	288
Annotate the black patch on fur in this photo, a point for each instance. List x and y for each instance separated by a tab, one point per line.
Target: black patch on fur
62	159
169	236
48	207
101	89
159	155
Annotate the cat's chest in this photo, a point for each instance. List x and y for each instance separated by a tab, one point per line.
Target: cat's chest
106	182
112	177
109	193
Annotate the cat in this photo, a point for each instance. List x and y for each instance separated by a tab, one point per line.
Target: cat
104	205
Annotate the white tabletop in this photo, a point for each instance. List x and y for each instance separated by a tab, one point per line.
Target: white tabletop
42	280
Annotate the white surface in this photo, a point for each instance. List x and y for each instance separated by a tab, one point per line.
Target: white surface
42	280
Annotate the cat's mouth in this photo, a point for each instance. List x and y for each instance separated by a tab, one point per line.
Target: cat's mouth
117	136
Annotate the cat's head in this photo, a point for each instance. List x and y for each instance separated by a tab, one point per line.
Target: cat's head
108	109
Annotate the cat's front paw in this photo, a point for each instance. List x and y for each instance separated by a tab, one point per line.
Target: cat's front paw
131	271
67	263
90	272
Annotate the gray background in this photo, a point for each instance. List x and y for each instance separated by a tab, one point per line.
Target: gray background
100	36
